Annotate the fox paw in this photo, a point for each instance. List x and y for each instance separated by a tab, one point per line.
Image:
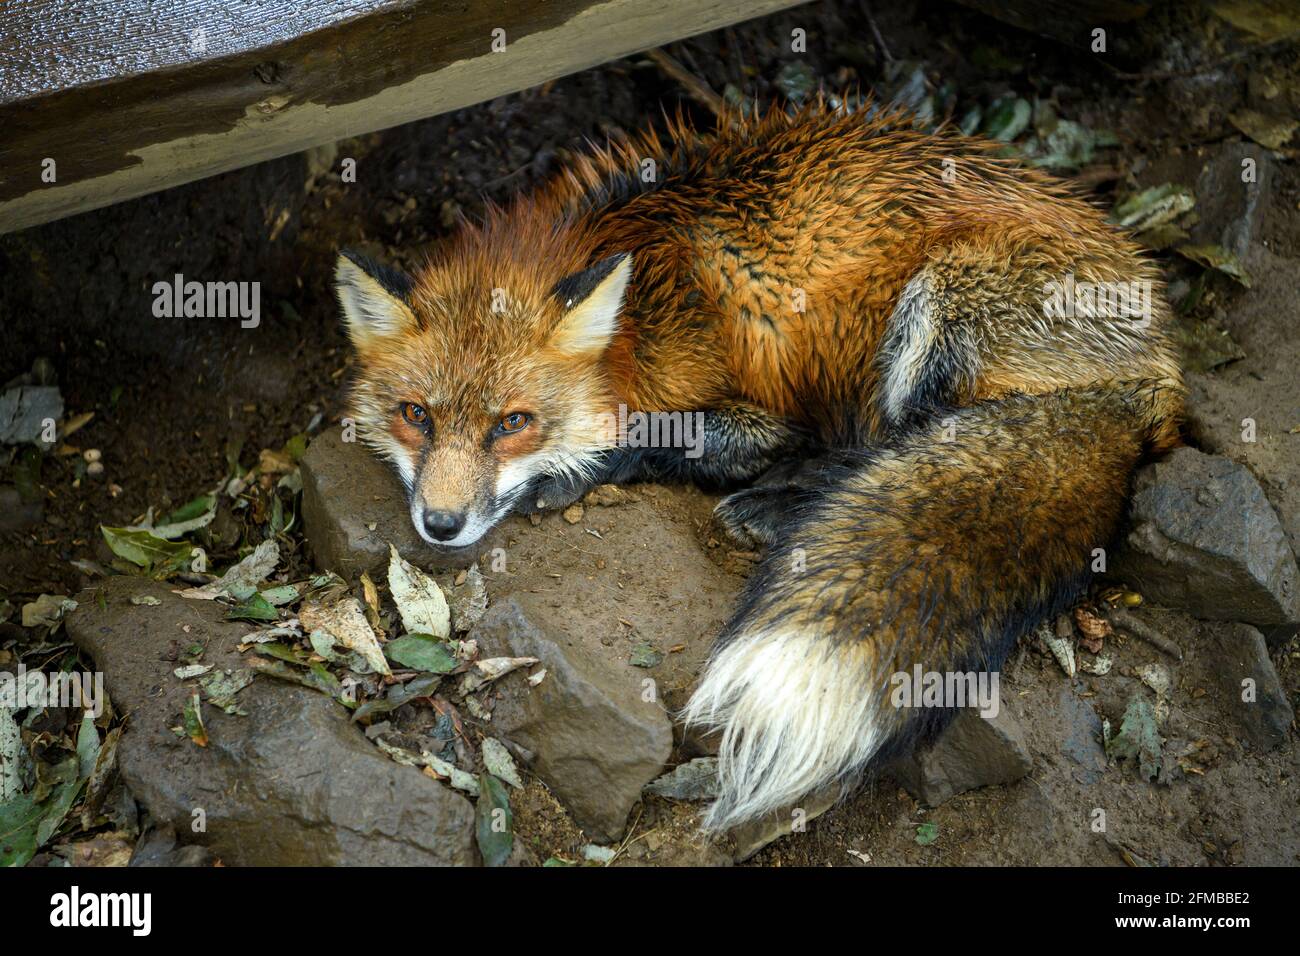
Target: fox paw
754	518
551	494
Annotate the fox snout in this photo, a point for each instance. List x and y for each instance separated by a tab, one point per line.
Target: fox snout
451	496
443	525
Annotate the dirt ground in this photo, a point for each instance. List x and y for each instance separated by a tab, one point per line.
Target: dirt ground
175	399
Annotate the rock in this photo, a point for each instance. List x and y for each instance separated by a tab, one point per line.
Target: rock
748	838
1261	707
1080	736
694	780
972	752
592	739
1230	209
292	783
17	514
354	506
610	496
24	411
159	847
1206	539
1246	410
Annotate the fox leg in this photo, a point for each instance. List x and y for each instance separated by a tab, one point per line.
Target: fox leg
938	552
970	326
728	446
757	516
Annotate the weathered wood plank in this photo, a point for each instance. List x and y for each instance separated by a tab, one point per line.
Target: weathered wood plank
95	111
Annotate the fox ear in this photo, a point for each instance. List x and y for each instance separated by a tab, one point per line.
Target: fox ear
592	299
373	298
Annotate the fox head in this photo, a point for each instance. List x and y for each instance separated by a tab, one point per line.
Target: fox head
477	382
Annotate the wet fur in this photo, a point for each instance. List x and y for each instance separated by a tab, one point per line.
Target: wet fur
984	448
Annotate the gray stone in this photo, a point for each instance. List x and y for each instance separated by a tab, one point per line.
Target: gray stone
1264	713
17	514
750	837
1206	539
1230	210
159	847
292	783
24	409
694	780
1246	410
1080	736
354	506
590	736
972	752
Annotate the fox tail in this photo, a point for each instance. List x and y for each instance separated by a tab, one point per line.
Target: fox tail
940	550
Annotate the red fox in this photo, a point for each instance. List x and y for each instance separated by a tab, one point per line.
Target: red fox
929	371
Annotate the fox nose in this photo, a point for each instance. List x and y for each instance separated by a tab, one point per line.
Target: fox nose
443	525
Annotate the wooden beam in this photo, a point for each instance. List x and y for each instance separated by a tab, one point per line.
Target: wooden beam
98	108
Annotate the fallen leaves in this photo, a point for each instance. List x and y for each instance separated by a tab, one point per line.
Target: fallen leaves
29	820
499	763
1093	629
1138	737
47	610
493	821
155	556
242	578
419	599
192	721
422	652
345	621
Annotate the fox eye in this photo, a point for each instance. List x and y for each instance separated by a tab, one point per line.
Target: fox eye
415	414
514	422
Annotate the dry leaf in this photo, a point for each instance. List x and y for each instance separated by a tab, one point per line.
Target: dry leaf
347	624
419	599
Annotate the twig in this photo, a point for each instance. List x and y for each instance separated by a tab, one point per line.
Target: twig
1139	628
696	88
875	31
627	840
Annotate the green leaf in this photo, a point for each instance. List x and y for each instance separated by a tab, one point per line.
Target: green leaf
193	721
256	608
1153	207
927	833
148	551
316	677
296	447
19	819
421	652
56	808
281	652
1162	236
1219	259
1068	146
194	509
222	687
1007	118
1138	737
399	694
645	655
493	821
